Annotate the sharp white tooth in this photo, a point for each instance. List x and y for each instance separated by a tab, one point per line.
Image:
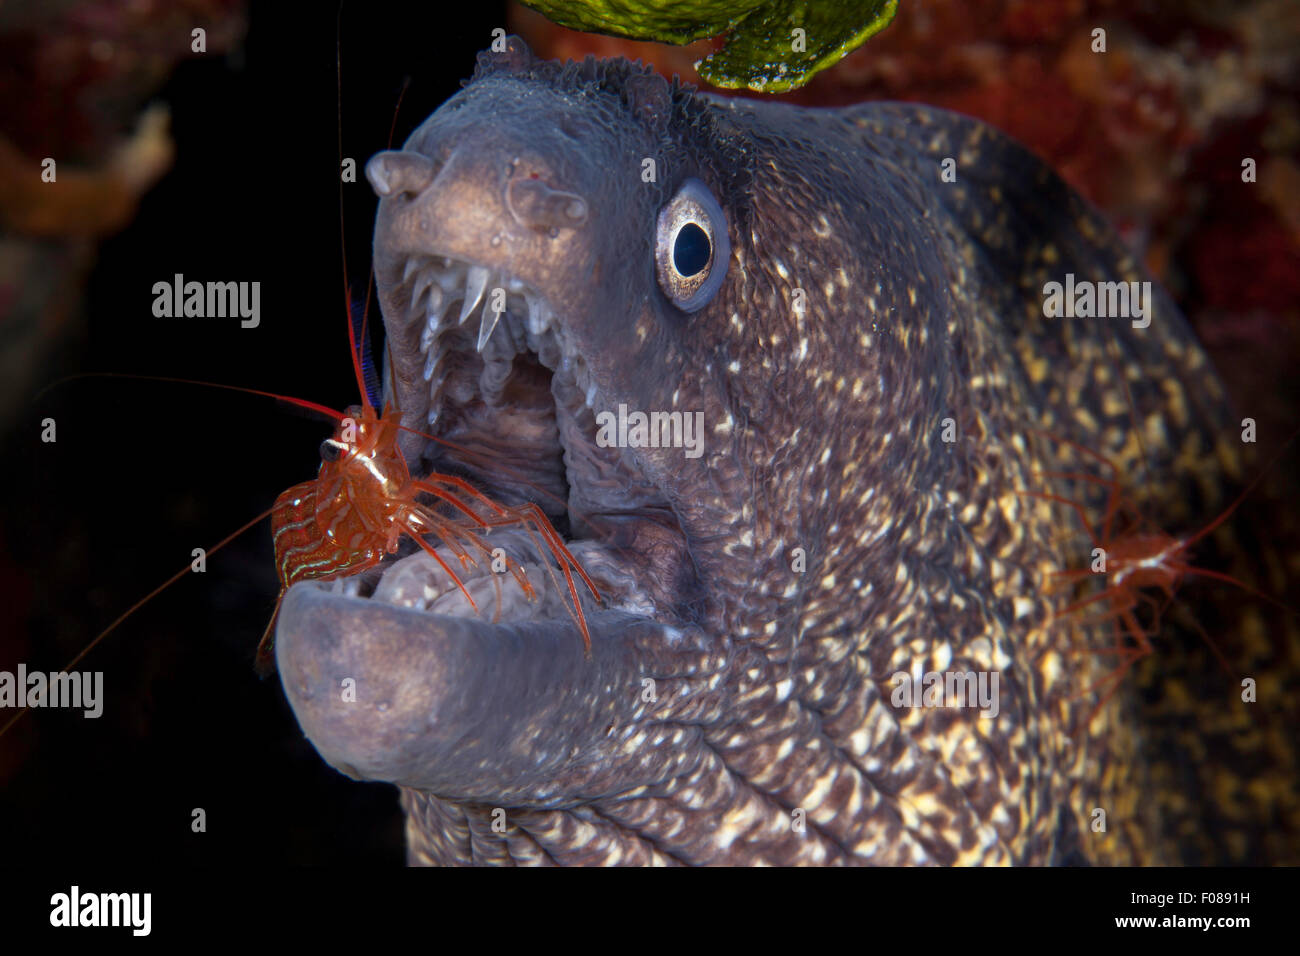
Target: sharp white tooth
476	281
431	322
535	315
591	396
411	266
422	283
490	319
430	361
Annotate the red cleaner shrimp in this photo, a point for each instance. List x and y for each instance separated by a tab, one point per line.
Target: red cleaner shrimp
1135	558
364	500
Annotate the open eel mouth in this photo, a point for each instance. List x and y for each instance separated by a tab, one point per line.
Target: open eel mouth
509	394
484	362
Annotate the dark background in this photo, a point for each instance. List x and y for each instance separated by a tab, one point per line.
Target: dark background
144	472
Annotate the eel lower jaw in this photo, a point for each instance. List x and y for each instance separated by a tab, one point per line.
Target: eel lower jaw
509	713
394	674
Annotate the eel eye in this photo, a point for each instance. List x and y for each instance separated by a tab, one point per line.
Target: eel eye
330	450
691	247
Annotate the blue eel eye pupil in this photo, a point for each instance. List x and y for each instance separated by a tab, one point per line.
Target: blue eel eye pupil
691	249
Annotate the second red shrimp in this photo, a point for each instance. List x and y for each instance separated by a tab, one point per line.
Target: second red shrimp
1139	565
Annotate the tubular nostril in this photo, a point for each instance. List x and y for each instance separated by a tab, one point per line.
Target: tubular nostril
536	205
394	171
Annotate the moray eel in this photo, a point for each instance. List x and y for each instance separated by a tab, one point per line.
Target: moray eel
866	344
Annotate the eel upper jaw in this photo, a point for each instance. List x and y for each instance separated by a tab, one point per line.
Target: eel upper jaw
501	705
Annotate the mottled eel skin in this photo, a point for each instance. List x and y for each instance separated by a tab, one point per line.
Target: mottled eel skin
770	693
